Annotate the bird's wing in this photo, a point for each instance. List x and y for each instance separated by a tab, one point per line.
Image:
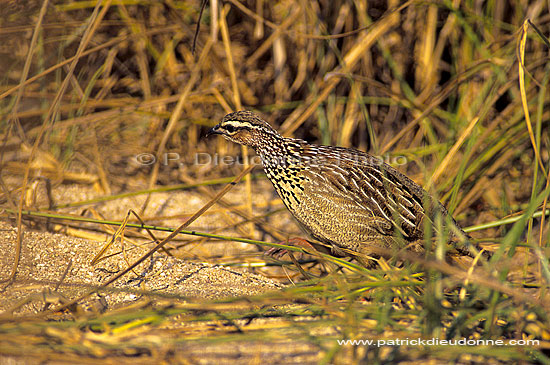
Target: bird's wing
379	188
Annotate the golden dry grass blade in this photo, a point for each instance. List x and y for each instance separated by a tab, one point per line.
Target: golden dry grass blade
117	236
299	116
521	66
229	55
26	67
176	113
266	45
451	155
237	101
428	65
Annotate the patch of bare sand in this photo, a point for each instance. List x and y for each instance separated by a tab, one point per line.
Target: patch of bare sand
46	256
170	209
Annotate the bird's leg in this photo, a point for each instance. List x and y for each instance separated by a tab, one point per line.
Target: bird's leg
296	242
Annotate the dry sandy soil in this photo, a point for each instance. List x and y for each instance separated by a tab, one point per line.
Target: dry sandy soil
55	268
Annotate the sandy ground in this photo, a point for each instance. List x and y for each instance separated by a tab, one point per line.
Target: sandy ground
41	279
46	256
55	268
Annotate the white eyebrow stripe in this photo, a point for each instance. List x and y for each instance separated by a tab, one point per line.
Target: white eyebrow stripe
239	124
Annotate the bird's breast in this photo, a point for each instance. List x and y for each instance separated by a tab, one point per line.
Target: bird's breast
289	183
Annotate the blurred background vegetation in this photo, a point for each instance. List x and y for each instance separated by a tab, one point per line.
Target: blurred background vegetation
458	89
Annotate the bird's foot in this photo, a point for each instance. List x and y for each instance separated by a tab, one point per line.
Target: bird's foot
277	252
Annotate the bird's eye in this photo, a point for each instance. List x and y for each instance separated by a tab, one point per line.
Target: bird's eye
229	128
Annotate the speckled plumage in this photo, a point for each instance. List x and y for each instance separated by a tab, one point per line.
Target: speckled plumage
340	196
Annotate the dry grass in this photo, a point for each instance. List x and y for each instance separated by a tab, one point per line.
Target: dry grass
458	90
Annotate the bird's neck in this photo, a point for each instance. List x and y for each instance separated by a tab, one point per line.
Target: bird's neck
281	151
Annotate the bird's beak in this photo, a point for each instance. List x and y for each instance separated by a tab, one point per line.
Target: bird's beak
213	130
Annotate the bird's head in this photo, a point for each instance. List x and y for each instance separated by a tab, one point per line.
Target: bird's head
246	128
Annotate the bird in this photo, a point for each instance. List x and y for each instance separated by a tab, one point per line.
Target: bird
351	202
